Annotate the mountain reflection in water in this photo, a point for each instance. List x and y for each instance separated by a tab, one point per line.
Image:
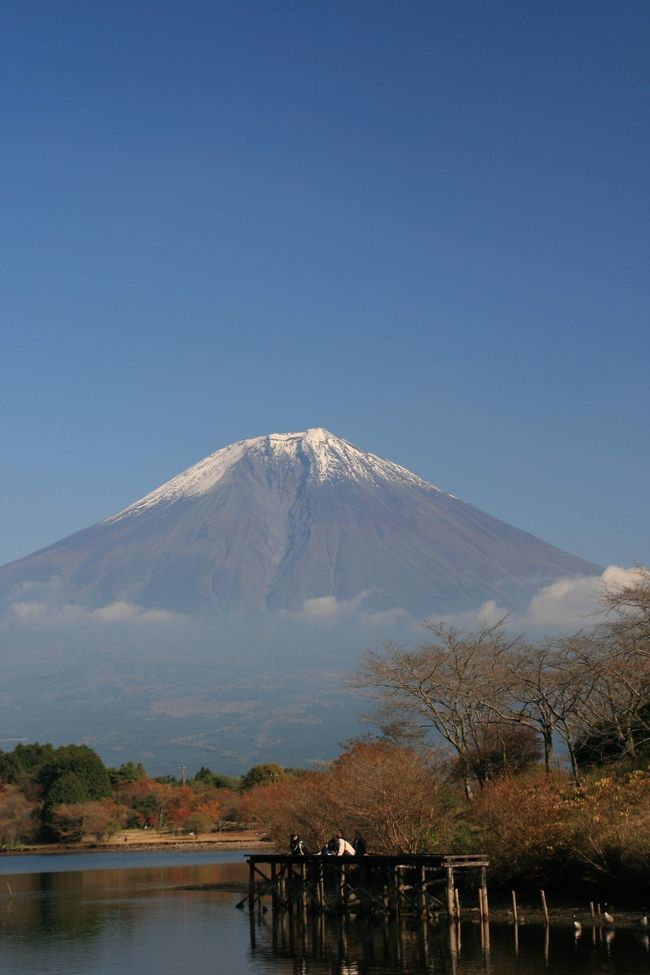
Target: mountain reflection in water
106	914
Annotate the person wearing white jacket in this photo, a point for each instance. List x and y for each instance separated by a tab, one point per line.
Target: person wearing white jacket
343	848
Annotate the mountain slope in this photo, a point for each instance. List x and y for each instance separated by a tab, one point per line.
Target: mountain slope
271	522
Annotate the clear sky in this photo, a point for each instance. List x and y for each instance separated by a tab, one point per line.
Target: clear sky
423	225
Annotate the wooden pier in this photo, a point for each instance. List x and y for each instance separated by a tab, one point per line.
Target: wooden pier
415	884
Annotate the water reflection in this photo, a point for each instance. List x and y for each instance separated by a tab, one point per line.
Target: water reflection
46	911
344	945
123	921
166	918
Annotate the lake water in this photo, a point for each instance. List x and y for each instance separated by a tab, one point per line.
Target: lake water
121	914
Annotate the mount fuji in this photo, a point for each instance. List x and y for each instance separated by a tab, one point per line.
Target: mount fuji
269	523
213	621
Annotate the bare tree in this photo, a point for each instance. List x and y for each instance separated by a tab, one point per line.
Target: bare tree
618	653
630	603
554	691
454	684
619	711
506	748
467	685
530	702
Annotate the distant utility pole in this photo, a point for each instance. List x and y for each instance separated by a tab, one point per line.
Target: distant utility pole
182	769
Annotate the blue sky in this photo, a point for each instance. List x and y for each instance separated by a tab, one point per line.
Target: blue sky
422	225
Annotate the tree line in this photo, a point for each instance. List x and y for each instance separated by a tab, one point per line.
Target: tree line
65	794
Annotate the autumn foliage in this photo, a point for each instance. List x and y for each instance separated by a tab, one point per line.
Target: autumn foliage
67	794
541	827
391	793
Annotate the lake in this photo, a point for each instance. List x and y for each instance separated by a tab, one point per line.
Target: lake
128	913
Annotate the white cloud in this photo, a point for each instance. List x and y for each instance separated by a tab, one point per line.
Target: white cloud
567	604
329	608
121	611
564	605
116	612
575	603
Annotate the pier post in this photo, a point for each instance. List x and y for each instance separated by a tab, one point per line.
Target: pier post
544	906
340	885
320	885
251	887
393	890
303	890
484	892
289	886
274	886
422	891
450	891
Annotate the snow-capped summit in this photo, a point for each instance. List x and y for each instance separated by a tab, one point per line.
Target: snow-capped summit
271	522
323	455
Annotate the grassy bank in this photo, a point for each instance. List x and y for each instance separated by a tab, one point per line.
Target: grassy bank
138	840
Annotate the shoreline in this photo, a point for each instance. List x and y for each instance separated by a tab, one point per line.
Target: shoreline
131	841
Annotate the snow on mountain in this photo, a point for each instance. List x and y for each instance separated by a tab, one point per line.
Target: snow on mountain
268	523
329	458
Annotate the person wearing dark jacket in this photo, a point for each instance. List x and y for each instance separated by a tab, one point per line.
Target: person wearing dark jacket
359	844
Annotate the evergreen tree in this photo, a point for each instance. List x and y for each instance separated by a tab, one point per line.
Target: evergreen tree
83	765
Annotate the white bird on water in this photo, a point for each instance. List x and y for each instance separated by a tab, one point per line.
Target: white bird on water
577	929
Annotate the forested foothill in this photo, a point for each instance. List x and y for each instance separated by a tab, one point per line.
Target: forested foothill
537	754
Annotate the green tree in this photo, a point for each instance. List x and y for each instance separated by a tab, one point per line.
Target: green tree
263	775
68	789
128	772
74	774
216	779
24	762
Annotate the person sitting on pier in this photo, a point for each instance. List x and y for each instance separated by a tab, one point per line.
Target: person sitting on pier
359	844
341	845
298	846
